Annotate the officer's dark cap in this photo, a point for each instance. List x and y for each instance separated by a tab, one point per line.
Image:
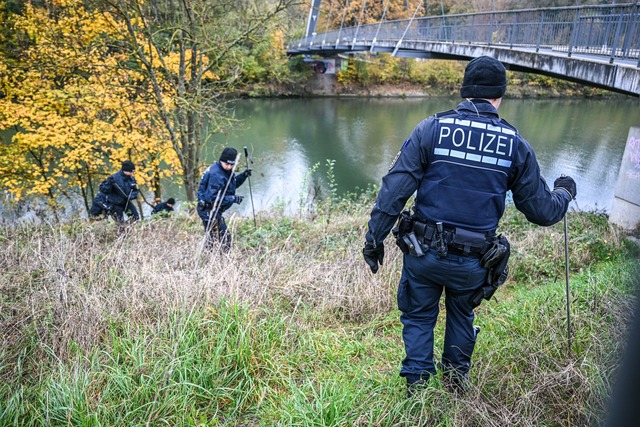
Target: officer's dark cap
229	155
127	166
485	77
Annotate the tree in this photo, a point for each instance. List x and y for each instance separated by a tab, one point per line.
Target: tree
75	110
267	60
87	84
190	54
351	13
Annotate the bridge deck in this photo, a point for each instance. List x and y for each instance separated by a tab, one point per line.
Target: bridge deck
594	45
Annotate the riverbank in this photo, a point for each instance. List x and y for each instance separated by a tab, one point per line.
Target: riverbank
445	82
328	85
290	328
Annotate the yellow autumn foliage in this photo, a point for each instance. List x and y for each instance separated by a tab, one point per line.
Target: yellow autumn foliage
172	63
75	111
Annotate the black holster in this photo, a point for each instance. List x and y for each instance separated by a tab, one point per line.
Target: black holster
495	260
405	237
202	205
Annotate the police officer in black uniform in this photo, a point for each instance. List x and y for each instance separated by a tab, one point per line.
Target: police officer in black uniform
164	208
216	194
117	194
461	163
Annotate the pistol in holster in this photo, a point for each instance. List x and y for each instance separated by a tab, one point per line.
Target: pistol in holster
441	244
495	260
405	236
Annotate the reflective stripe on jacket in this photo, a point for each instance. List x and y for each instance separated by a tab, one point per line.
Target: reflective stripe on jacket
462	163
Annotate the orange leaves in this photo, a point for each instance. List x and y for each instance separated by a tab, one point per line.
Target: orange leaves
77	112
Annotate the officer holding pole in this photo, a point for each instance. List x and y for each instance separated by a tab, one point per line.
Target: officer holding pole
216	194
461	162
117	194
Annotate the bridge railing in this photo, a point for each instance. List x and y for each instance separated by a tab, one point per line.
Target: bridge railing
609	30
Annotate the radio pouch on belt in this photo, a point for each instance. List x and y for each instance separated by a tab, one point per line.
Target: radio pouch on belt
495	260
468	241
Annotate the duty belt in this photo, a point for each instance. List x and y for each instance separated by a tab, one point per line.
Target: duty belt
458	241
204	205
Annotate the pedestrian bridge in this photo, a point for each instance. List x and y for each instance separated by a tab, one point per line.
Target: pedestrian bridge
597	45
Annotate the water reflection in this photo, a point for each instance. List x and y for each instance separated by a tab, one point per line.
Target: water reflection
282	182
287	137
581	138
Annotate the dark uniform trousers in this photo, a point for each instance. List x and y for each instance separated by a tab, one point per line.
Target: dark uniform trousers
215	231
423	280
100	204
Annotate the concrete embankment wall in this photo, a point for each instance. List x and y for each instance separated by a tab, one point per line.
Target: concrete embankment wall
625	211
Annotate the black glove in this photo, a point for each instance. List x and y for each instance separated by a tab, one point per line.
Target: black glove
373	255
247	173
239	199
106	207
566	183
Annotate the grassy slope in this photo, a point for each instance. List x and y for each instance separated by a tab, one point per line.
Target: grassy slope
139	327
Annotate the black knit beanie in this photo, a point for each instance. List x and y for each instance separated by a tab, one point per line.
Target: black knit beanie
484	77
127	166
171	201
229	155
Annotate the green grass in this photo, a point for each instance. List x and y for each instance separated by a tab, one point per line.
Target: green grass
138	328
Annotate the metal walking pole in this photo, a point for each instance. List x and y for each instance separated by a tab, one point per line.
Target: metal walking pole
566	268
248	157
216	202
566	273
127	205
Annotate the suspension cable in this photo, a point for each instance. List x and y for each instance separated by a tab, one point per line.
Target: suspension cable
355	36
326	28
406	30
344	13
384	14
305	25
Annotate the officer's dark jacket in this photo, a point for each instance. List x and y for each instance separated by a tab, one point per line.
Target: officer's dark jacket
462	163
119	188
161	207
213	180
100	201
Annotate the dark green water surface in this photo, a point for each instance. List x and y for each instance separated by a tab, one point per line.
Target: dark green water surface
581	138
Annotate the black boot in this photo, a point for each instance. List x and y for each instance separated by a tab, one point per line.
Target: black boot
416	383
455	382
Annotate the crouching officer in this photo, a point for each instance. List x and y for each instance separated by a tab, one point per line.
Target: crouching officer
117	194
461	162
216	194
164	208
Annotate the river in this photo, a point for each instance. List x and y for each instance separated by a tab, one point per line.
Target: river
582	138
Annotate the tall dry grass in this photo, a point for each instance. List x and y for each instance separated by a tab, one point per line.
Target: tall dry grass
69	282
71	289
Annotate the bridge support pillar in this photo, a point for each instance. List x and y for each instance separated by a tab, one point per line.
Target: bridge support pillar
625	211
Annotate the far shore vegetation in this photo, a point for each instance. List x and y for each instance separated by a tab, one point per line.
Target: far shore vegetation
381	75
104	325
